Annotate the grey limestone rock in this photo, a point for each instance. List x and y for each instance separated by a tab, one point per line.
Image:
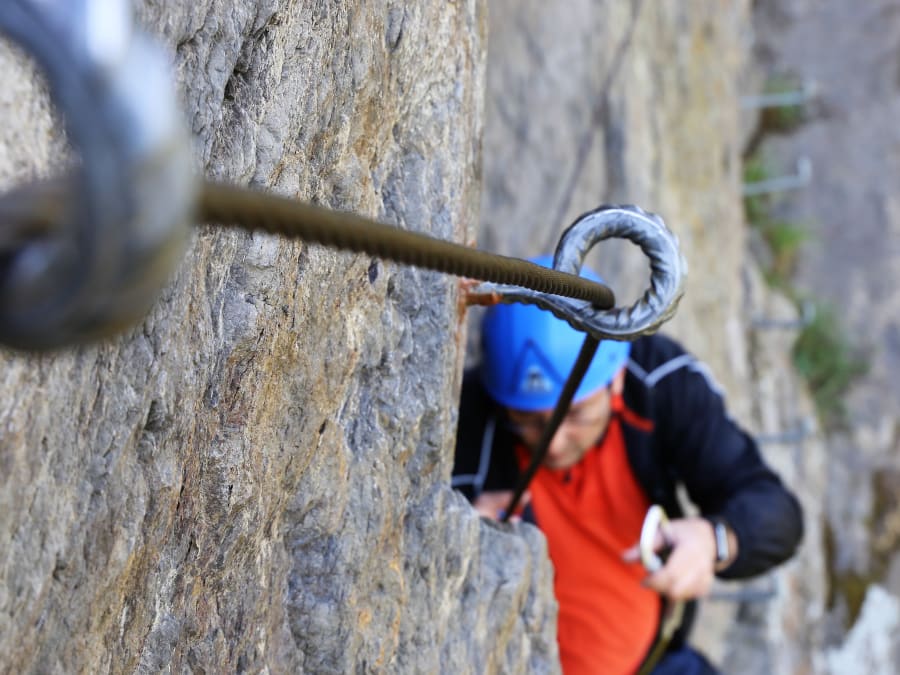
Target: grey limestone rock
255	479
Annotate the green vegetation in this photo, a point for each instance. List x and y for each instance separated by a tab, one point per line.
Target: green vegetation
783	238
756	207
824	356
822	353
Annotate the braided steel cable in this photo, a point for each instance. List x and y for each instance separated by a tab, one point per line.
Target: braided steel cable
38	212
254	210
87	254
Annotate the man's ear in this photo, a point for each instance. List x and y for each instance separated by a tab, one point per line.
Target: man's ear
617	386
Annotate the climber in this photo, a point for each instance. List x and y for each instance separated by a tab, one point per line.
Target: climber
646	418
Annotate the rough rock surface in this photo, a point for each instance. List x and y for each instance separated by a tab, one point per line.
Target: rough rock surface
775	626
871	646
850	134
255	478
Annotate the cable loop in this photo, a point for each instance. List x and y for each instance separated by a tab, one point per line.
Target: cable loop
659	302
124	225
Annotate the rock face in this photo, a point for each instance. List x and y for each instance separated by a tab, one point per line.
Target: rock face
256	478
623	102
850	207
871	645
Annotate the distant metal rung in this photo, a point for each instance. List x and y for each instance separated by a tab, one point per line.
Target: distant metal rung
782	183
745	594
805	428
807	91
807	315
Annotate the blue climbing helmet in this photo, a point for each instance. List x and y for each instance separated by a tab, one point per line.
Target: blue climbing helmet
527	354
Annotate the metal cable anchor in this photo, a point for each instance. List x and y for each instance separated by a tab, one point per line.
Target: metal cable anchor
657	305
124	214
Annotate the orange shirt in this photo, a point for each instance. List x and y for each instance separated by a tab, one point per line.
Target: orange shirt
590	514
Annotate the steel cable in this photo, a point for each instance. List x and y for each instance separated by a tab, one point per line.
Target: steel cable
38	214
91	259
252	210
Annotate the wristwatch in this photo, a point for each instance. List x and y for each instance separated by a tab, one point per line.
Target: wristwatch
720	531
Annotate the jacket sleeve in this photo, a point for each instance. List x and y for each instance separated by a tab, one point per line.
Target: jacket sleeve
483	460
724	473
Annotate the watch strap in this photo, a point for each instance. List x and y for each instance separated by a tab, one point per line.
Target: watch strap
720	533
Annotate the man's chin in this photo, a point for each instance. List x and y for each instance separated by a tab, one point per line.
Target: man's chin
560	464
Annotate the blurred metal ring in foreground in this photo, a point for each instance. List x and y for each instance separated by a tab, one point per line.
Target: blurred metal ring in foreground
118	225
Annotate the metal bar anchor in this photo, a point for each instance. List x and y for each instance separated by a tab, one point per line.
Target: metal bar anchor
782	183
807	315
747	593
808	90
805	428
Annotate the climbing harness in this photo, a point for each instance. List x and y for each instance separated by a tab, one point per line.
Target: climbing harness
85	256
123	228
657	522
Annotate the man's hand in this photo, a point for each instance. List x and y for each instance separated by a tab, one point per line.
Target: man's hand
492	504
690	568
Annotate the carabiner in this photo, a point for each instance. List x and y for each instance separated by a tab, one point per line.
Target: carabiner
658	304
125	223
655	521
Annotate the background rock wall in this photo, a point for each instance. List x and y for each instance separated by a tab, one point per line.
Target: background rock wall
632	102
638	102
255	478
850	209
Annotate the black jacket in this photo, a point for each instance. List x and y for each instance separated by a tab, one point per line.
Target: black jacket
693	443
